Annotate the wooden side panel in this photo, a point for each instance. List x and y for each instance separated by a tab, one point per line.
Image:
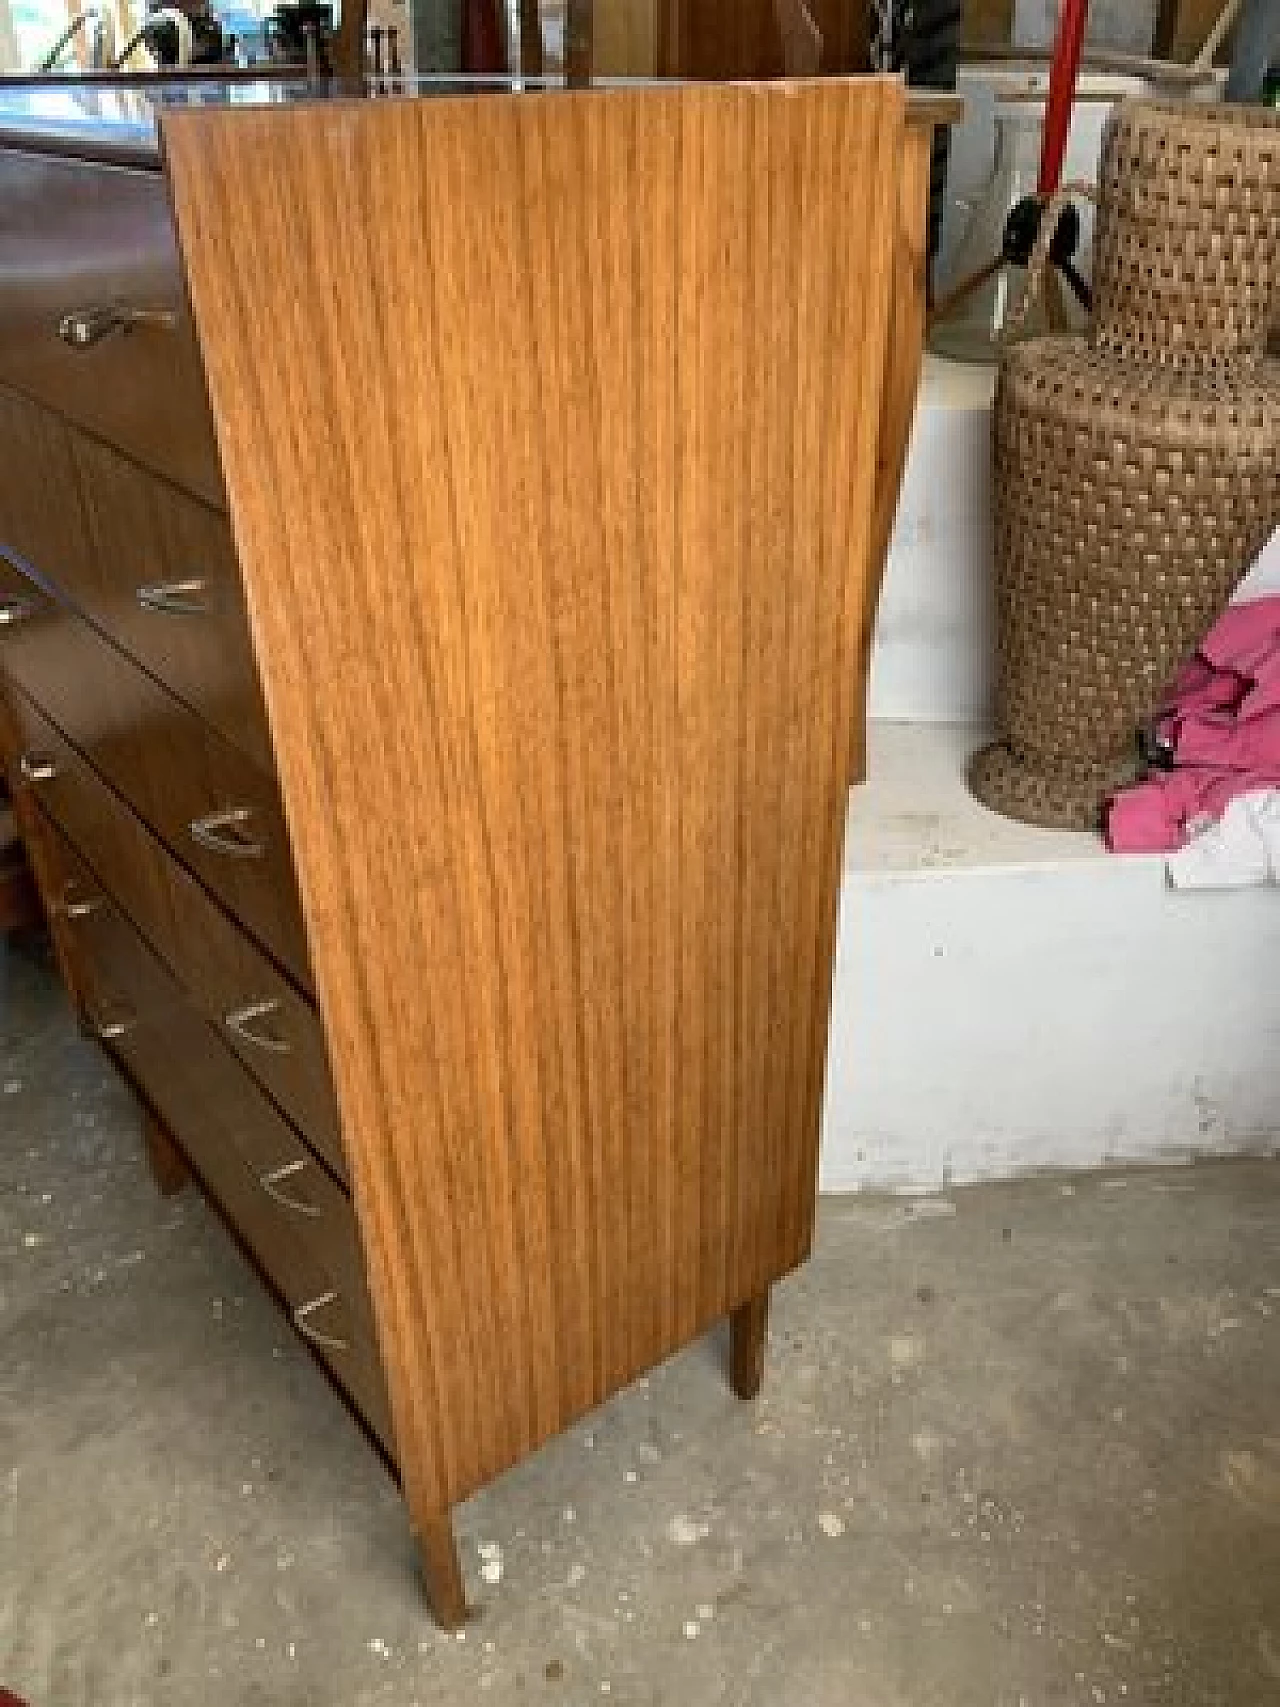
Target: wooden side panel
988	23
575	399
744	38
907	312
1182	27
626	38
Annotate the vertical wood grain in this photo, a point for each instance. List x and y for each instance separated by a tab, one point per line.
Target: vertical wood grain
746	38
579	40
442	1571
907	312
988	23
549	428
348	46
530	15
625	42
1182	27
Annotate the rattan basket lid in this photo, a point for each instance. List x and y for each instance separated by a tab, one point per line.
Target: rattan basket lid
1187	248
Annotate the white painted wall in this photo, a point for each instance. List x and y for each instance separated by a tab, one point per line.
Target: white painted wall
935	631
992	1022
1007	999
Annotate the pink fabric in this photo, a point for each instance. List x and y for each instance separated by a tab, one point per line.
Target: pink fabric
1222	724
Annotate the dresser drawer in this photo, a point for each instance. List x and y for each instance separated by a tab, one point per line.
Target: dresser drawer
93	312
41	518
154	569
218	812
161	579
298	1224
275	1032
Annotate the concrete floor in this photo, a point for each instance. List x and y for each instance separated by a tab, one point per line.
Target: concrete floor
1019	1447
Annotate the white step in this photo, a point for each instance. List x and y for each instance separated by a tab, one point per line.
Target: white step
1005	998
935	628
1009	999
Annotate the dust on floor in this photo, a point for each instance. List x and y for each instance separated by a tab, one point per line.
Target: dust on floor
1017	1447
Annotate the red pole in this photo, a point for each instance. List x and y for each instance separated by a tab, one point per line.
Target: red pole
1067	49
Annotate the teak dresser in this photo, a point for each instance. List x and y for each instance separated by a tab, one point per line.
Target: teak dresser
437	541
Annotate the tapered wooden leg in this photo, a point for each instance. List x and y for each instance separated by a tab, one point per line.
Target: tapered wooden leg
442	1572
167	1163
19	903
748	1332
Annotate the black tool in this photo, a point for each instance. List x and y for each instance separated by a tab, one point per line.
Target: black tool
1021	229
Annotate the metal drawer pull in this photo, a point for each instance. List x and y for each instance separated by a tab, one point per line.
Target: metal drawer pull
270	1183
15	610
176	598
37	767
107	1030
301	1321
82	328
240	1020
225	833
71	908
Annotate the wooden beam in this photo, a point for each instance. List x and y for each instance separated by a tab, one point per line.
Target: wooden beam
625	40
349	39
579	47
988	23
531	38
1182	27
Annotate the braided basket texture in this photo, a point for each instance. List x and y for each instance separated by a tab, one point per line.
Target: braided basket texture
1137	472
1128	500
1187	250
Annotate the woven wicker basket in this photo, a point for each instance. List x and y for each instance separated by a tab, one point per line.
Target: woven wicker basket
1187	250
1129	499
1137	473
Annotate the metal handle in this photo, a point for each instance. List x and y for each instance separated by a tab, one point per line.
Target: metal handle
328	1342
107	1030
176	598
70	908
225	833
82	328
15	610
270	1183
240	1020
37	767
